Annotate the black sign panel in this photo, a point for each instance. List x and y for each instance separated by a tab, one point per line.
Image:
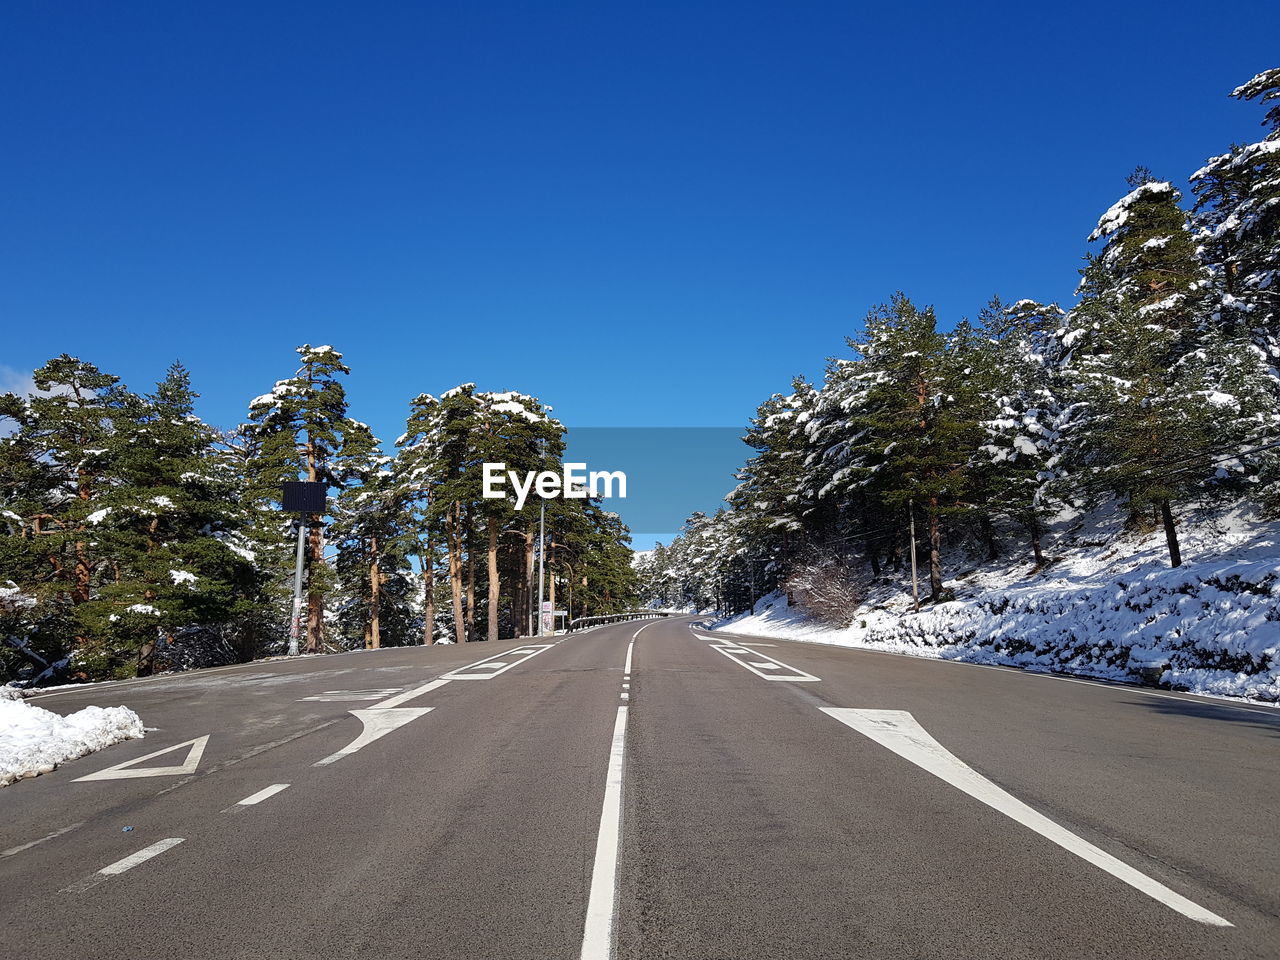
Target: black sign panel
303	496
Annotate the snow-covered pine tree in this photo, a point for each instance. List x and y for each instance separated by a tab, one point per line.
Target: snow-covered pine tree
175	583
372	559
916	431
1237	223
58	465
771	501
297	434
1136	350
417	472
1024	387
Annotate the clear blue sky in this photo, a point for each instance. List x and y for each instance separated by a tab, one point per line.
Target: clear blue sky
647	214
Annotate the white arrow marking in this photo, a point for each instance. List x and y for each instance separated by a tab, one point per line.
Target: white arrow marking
378	722
900	732
128	769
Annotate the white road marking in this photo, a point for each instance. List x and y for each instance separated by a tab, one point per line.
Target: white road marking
597	933
521	654
129	768
899	731
34	843
1204	699
263	794
337	696
409	695
756	667
378	722
120	866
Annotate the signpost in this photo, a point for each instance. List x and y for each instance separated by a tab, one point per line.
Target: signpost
302	497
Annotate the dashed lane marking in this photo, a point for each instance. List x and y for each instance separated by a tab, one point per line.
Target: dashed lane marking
122	866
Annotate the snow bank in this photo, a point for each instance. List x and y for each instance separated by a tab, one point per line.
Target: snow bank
1212	625
34	741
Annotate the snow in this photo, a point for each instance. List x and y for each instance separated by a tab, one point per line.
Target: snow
1118	214
34	741
1106	607
182	576
98	515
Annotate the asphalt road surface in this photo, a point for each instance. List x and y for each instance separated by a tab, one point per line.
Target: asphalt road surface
646	790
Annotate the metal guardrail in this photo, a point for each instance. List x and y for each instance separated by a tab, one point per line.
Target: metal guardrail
584	622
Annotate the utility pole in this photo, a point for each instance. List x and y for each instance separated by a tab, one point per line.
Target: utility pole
915	584
306	498
295	624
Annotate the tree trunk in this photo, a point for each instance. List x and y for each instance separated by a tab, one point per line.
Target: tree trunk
1034	527
455	572
375	595
315	600
494	583
989	537
428	600
471	582
935	552
529	573
551	586
1170	534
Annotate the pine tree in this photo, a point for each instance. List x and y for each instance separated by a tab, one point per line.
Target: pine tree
297	433
169	510
59	465
915	438
1136	351
1025	388
372	558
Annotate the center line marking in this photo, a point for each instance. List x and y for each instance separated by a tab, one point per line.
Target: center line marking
263	794
120	866
597	933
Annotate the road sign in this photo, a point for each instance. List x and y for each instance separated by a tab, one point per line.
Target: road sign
303	496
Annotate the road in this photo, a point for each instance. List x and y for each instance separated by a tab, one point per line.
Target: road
723	797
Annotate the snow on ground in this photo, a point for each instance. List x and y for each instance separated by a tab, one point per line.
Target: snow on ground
34	741
1109	606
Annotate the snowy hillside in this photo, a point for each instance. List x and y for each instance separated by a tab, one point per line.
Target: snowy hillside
1110	605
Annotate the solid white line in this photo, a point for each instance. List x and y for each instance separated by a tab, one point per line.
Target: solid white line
899	731
263	794
626	669
597	933
120	866
409	695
